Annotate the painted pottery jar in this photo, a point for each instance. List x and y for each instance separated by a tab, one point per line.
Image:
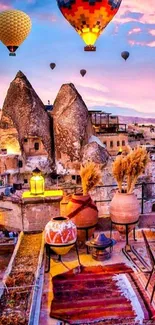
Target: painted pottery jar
124	208
61	234
84	213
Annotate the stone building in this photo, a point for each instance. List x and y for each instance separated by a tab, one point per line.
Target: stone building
141	135
110	132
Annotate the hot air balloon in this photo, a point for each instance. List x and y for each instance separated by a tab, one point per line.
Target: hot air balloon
52	65
15	26
125	55
83	72
89	17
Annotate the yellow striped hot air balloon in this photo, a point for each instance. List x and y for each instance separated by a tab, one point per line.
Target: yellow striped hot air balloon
15	26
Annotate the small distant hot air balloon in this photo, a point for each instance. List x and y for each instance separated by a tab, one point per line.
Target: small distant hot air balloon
15	26
52	65
89	17
83	72
125	55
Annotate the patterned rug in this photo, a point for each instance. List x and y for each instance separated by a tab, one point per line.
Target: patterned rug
105	295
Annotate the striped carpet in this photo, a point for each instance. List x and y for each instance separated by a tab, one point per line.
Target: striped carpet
104	295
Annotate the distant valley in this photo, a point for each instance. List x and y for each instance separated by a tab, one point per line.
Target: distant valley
133	119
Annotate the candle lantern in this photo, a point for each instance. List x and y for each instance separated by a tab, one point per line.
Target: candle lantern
37	182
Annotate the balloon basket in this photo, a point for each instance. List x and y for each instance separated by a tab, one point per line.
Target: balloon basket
12	54
90	48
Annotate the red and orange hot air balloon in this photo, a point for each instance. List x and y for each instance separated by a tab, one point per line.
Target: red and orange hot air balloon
89	17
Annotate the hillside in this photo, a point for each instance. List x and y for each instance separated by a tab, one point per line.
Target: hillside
133	119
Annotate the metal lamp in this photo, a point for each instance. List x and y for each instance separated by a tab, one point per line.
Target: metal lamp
37	182
99	247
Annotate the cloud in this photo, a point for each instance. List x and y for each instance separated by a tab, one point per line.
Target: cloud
142	43
95	86
132	91
152	32
5	4
134	31
136	10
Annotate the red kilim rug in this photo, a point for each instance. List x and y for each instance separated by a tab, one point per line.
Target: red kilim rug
101	294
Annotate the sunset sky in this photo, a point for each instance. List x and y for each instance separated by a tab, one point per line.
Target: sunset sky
111	84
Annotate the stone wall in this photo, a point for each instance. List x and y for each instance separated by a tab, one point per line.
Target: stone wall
10	215
36	212
28	214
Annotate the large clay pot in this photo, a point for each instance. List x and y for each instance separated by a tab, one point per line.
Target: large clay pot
60	231
83	212
124	208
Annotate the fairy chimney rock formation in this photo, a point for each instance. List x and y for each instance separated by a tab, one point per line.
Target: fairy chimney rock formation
25	111
72	126
95	152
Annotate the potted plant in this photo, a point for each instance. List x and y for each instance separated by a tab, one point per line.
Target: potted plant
81	208
124	207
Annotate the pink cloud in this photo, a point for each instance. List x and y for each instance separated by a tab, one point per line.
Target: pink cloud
92	86
144	43
152	32
134	89
134	31
4	6
145	8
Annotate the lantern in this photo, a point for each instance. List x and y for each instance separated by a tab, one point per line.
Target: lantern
99	246
120	151
37	182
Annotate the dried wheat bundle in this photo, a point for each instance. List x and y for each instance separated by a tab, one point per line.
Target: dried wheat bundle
119	170
128	168
137	161
90	176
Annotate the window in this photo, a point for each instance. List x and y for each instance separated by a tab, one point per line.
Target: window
25	181
20	164
118	144
36	146
105	143
73	177
25	140
4	151
123	143
111	144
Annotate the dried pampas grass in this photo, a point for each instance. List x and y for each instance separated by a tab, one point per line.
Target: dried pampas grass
119	170
128	168
136	164
90	176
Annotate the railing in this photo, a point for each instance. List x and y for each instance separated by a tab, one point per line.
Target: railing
103	128
144	197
